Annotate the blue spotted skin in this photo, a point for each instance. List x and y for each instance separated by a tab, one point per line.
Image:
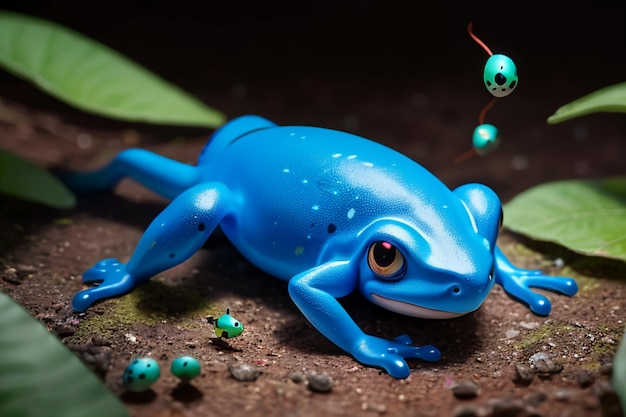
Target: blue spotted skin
306	204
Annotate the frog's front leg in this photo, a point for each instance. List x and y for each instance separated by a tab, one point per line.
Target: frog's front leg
517	282
172	237
160	174
315	292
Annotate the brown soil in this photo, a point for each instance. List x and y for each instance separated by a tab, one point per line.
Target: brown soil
407	77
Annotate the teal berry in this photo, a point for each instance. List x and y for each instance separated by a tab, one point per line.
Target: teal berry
186	368
500	75
141	374
486	138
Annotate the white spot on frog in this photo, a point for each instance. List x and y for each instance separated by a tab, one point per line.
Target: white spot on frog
351	157
286	170
351	213
305	181
336	155
315	207
368	164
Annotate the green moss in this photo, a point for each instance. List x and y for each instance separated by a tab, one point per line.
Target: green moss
542	333
149	304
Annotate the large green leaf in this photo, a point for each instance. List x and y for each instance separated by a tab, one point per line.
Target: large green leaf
607	99
93	77
27	181
586	216
39	376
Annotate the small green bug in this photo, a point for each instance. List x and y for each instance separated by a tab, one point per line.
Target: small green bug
186	368
500	73
141	374
486	138
226	326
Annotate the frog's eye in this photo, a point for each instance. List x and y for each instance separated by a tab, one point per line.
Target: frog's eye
386	260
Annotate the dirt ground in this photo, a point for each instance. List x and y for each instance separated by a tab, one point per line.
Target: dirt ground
408	77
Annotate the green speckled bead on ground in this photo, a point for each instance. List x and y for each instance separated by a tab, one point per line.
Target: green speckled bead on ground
141	374
186	368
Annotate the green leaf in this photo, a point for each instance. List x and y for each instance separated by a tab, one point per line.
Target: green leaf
27	181
39	376
608	99
93	77
586	216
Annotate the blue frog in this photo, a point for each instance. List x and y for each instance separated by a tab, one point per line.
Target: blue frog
329	212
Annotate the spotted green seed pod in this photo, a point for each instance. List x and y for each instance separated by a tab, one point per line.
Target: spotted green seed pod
500	75
486	139
141	374
186	368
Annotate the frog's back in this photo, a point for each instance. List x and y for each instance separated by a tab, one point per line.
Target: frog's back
302	187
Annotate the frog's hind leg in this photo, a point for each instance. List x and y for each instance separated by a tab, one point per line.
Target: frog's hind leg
162	175
174	236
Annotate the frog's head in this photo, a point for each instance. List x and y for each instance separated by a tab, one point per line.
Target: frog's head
439	268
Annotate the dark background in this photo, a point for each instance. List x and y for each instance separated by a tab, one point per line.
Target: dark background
402	73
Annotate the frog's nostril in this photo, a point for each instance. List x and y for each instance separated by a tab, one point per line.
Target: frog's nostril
456	290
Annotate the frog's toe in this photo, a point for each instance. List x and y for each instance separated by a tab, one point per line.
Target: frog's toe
112	280
109	288
426	353
405	338
563	285
538	304
520	289
395	366
103	270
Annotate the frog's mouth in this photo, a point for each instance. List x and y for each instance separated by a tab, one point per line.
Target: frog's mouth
412	310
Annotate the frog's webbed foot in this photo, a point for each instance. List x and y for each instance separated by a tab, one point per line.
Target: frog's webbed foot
390	355
518	283
112	280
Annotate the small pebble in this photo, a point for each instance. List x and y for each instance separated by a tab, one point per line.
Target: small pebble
320	382
64	330
584	378
536	398
97	358
564	394
465	389
376	407
244	372
528	325
505	407
543	363
523	375
465	410
512	334
296	376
